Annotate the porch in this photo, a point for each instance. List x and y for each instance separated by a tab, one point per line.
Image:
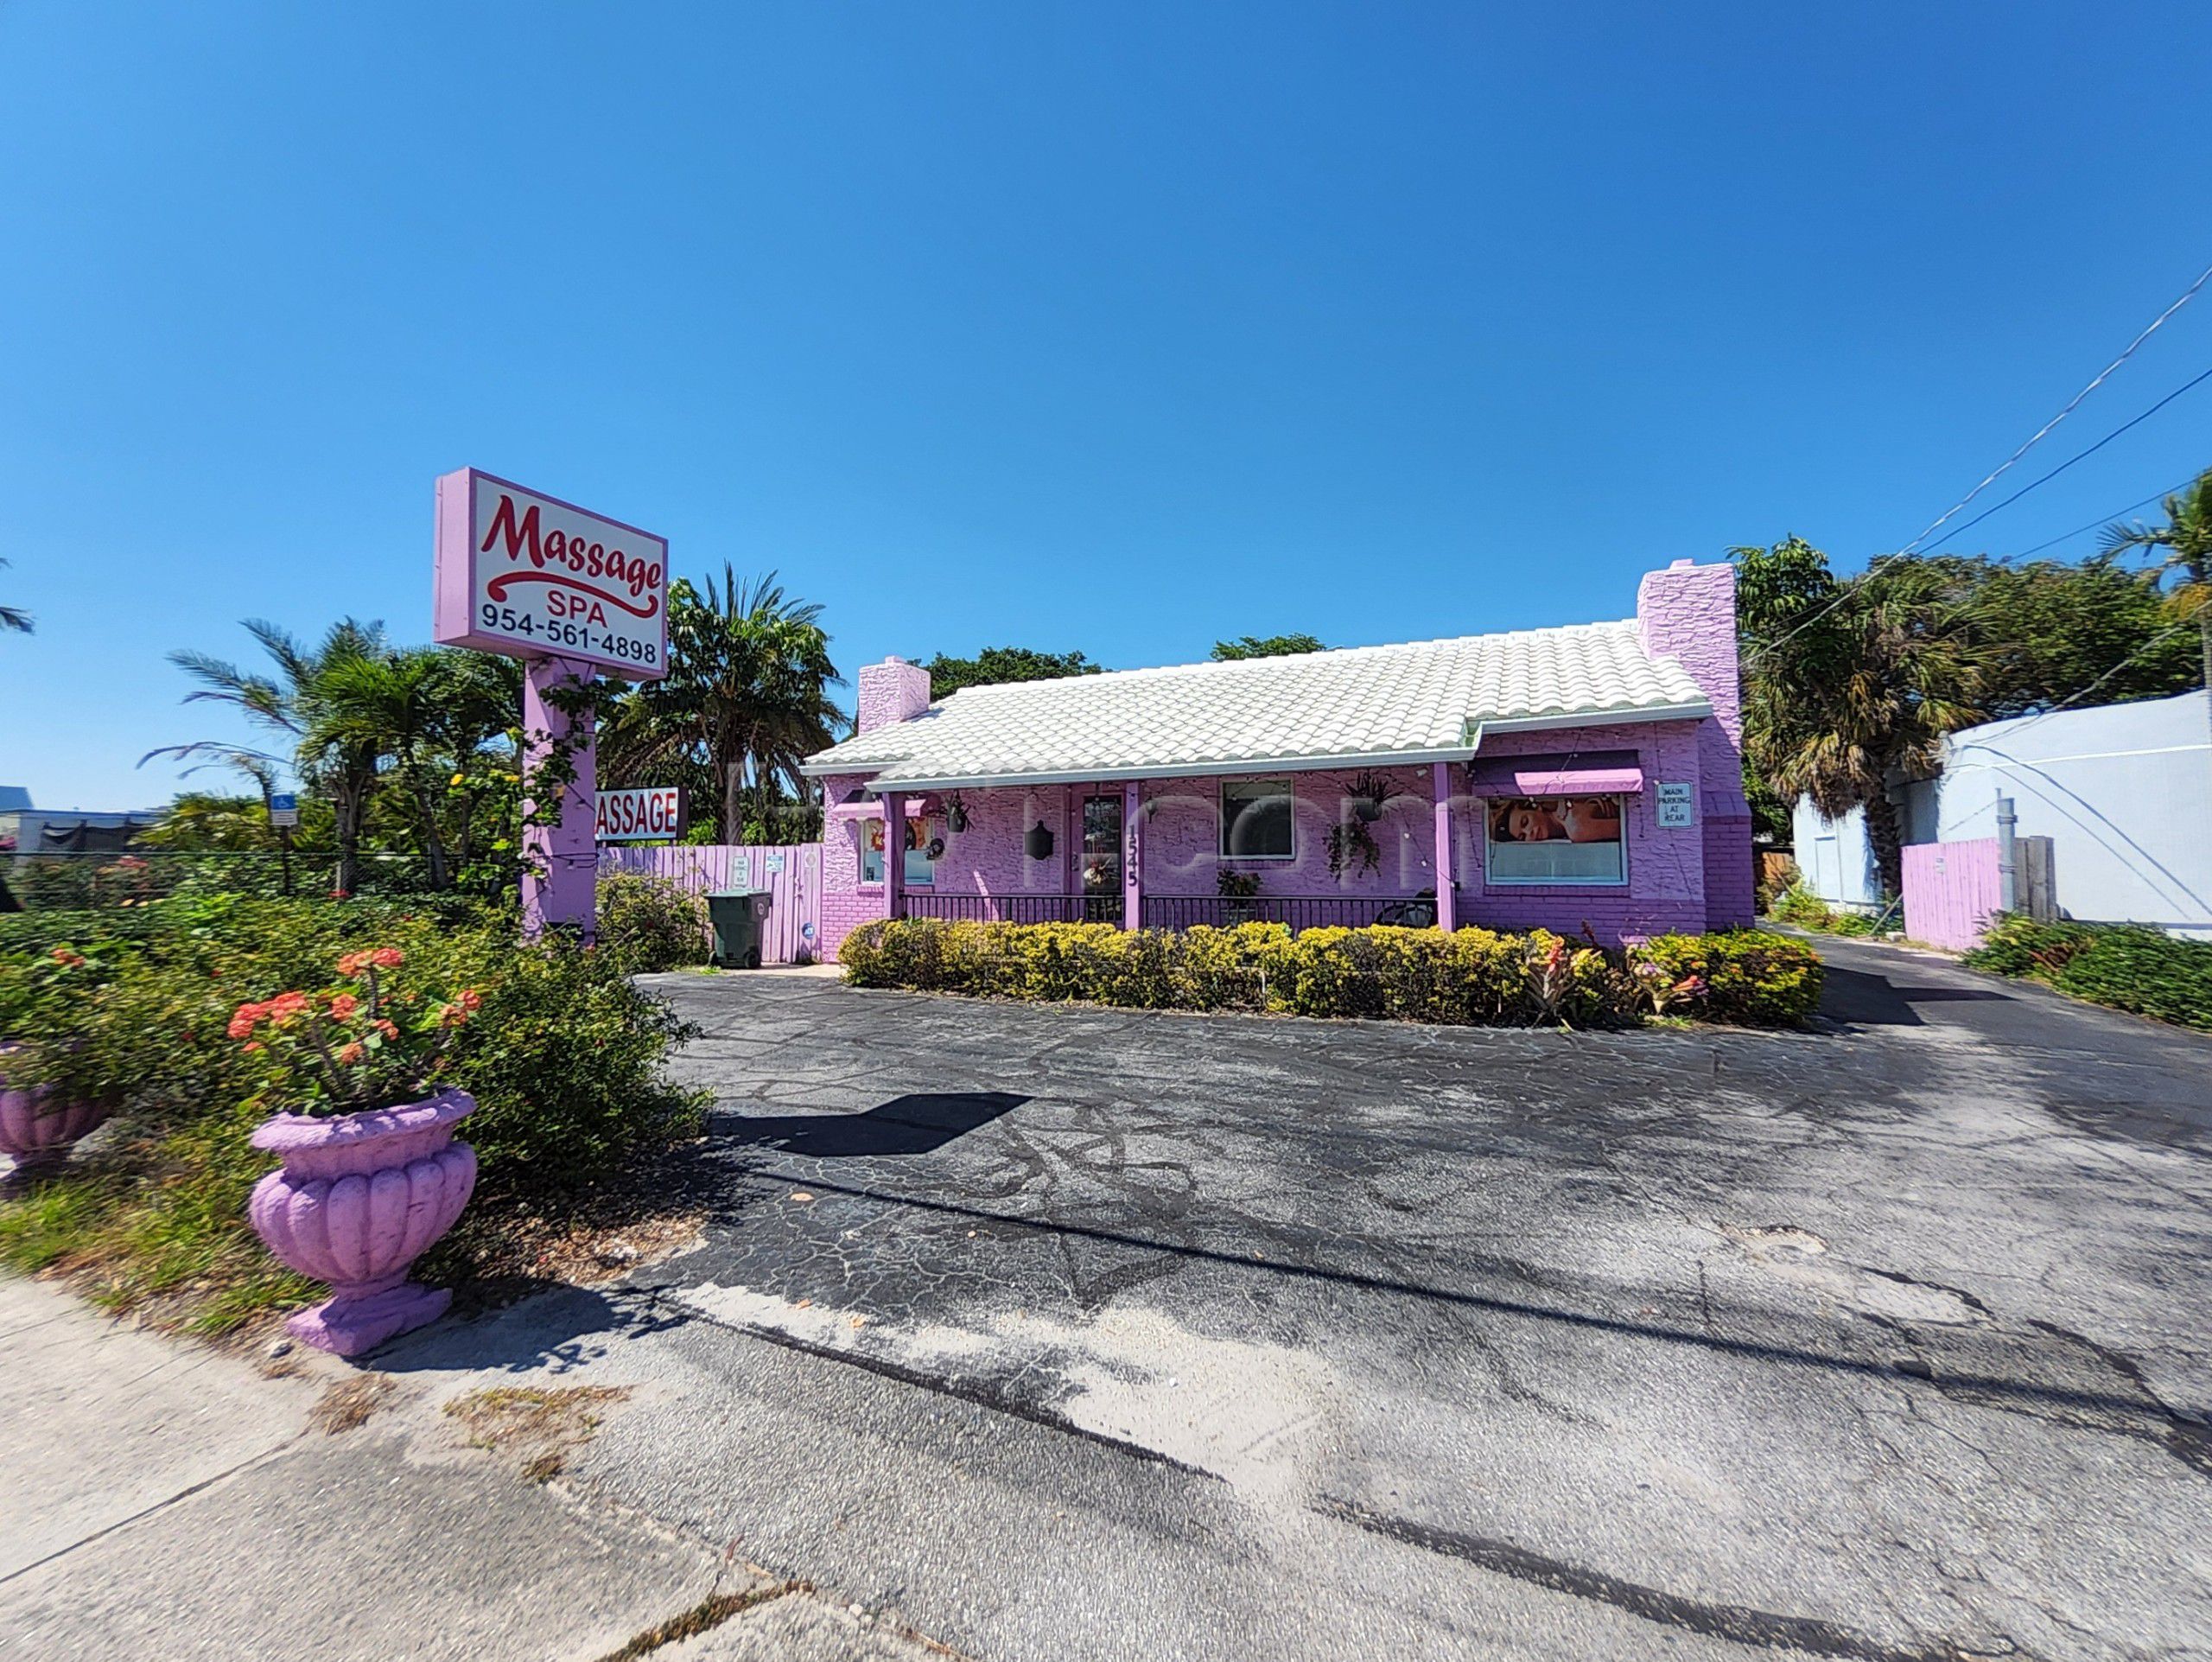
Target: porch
1297	912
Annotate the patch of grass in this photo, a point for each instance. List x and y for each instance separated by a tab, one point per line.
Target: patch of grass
541	1423
707	1613
345	1404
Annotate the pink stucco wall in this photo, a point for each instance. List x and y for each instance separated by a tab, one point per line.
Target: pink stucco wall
1690	611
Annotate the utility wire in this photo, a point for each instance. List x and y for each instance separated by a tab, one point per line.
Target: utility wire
2092	450
2102	375
1842	590
2187	295
2105	519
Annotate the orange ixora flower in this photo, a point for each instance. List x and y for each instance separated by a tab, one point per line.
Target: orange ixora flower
246	1018
350	1053
342	1005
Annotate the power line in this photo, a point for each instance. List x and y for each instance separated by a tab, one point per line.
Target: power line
2079	455
2187	295
1842	591
2105	519
2102	376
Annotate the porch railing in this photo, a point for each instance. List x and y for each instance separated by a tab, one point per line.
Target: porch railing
1013	909
1300	912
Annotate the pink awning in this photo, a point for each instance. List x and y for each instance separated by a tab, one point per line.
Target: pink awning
1590	772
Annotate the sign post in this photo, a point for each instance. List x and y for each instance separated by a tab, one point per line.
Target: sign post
572	593
283	815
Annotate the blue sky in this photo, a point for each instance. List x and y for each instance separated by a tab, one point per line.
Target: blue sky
1117	328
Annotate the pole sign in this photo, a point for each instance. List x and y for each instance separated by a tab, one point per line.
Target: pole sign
283	811
530	576
639	816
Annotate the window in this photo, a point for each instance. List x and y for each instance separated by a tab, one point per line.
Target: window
1563	839
1255	819
923	847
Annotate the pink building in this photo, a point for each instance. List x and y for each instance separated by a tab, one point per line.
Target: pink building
1579	778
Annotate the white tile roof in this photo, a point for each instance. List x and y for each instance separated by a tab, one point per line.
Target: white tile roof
1422	701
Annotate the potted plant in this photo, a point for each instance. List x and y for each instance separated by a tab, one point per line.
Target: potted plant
372	1174
48	1095
1241	892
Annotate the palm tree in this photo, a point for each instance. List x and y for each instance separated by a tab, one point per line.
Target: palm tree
1850	685
288	704
747	685
14	619
2185	541
434	714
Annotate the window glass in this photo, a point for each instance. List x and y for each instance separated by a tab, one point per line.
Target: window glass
924	844
1257	819
1563	839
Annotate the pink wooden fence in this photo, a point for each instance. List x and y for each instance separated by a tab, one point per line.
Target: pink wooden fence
791	873
1950	890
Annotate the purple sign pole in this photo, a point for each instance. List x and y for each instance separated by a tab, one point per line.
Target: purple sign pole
572	593
560	872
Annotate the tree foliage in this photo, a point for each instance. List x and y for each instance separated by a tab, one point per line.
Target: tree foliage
996	665
13	619
1851	683
1270	646
2183	546
746	695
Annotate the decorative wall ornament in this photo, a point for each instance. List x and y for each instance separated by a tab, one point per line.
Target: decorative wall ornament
1038	845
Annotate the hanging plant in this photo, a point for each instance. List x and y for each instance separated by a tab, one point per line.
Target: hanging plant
955	813
1370	792
1345	841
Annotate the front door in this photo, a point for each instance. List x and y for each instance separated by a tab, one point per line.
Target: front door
1102	859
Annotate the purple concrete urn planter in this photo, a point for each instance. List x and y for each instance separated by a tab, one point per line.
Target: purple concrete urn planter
35	1131
359	1199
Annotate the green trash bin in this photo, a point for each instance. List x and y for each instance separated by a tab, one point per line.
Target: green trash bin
736	915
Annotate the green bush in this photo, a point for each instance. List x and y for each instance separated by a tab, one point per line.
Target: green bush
1799	905
2125	967
564	1055
648	924
1746	976
1468	977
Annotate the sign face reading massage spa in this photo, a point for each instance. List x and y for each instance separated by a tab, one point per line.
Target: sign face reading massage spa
533	576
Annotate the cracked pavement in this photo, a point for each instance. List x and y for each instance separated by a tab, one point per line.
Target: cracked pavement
1064	1332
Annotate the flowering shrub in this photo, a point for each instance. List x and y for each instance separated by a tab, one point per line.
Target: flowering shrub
1468	977
648	924
42	997
365	1043
564	1054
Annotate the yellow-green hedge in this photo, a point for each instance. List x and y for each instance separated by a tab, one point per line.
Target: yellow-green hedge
1470	976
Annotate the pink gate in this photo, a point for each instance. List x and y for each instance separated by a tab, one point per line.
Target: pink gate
791	872
1950	891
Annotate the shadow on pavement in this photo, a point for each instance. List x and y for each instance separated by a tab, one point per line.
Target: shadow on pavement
921	1122
1876	1001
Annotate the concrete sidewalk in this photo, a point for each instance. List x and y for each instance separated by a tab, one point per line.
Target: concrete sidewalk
164	1500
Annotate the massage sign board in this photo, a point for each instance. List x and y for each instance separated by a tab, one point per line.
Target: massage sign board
571	593
533	576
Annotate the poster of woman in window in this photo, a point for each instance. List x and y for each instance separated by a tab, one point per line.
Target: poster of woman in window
1557	839
1556	819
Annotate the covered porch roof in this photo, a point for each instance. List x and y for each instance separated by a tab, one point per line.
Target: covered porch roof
1378	706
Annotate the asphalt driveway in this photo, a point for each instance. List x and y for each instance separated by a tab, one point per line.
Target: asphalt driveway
1074	1332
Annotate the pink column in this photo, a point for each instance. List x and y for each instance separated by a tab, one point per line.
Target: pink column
1446	911
560	878
1132	859
894	854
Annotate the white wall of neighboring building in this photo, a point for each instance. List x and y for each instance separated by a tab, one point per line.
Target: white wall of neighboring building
1835	858
2123	791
